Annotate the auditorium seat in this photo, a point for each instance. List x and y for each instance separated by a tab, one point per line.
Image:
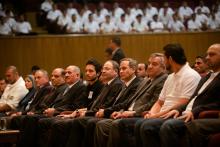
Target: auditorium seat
214	138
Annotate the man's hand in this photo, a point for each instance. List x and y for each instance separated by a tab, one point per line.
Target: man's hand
30	113
49	112
116	115
187	116
64	116
127	114
171	114
82	112
100	113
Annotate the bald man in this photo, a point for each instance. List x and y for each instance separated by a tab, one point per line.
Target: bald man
206	97
14	91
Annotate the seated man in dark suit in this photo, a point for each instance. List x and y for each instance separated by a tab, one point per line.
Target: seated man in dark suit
43	91
128	68
70	98
60	130
115	132
177	90
93	88
27	123
206	97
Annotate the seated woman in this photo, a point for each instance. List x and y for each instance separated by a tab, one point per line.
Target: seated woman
30	85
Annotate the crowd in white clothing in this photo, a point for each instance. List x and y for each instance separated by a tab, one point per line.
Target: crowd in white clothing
133	19
9	25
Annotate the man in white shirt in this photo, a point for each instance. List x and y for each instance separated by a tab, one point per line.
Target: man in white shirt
166	8
176	25
140	25
108	26
74	26
150	11
205	10
135	10
9	19
71	10
202	18
85	12
185	11
22	26
177	90
63	21
103	10
165	17
156	25
91	26
54	13
117	11
4	27
124	26
46	6
98	17
14	91
185	125
193	24
213	22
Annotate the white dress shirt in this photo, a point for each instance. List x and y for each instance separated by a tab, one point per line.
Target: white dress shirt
13	93
23	27
179	85
91	27
5	29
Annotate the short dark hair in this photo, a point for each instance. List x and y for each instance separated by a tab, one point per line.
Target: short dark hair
176	52
117	41
95	63
35	67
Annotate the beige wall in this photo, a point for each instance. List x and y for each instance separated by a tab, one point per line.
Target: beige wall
59	51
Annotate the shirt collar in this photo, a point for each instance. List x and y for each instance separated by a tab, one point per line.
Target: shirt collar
129	82
182	69
109	82
70	86
18	81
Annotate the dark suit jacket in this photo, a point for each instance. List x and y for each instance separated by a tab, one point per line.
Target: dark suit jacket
208	99
46	103
73	99
118	55
24	101
92	92
124	99
39	97
147	93
106	97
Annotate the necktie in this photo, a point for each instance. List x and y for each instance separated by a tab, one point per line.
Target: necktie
120	94
131	107
101	96
66	90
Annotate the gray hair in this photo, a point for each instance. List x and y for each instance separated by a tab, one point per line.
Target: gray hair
75	68
162	59
132	63
45	73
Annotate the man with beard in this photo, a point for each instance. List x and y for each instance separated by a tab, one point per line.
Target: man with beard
177	90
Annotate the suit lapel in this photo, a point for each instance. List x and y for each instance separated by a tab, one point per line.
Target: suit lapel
213	82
